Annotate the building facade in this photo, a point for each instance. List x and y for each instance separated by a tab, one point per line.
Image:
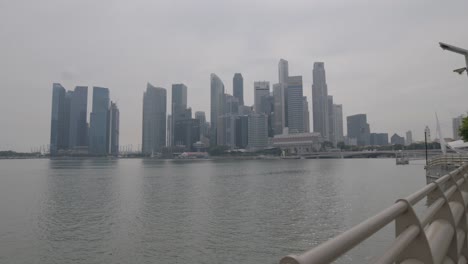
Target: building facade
257	131
216	105
338	119
261	89
279	111
238	87
58	120
359	129
331	120
114	129
98	130
397	140
379	139
154	119
320	100
306	115
295	105
456	124
409	137
78	136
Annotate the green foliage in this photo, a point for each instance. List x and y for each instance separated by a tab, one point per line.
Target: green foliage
463	132
218	150
341	145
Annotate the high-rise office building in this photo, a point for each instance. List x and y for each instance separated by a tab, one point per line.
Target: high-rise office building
98	130
178	106
456	124
279	108
242	131
295	104
261	89
216	105
283	75
338	119
359	129
257	131
231	104
320	100
409	137
187	132
238	87
200	115
154	119
227	130
114	129
58	120
379	139
331	120
169	131
78	136
283	71
306	115
397	140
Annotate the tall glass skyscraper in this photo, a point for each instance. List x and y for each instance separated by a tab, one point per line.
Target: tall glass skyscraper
217	105
295	105
98	131
154	119
320	101
114	129
78	136
238	87
57	124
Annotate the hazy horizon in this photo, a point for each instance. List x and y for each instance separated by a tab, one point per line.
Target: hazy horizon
381	59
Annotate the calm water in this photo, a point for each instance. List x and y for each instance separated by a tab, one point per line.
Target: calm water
147	211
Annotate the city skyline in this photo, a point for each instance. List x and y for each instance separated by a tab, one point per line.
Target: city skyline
388	63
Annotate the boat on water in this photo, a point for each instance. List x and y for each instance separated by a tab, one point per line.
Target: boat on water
401	158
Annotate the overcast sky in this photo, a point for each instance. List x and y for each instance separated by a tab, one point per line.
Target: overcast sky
381	57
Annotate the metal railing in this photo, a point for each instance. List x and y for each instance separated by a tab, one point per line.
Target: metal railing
437	236
447	159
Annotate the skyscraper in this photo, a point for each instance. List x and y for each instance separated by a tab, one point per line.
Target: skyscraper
114	129
217	105
57	124
261	89
306	115
338	119
456	124
98	130
78	117
320	100
295	104
279	102
331	120
409	137
359	129
283	75
238	87
200	115
169	131
154	119
178	106
283	71
257	131
427	133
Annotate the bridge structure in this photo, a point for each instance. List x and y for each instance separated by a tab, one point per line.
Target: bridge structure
438	235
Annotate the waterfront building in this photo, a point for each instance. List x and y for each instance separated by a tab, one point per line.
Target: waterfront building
257	131
200	115
78	136
283	75
261	89
98	130
279	111
456	124
427	133
295	105
359	129
306	115
238	87
187	133
338	119
242	131
169	131
397	140
178	106
227	130
298	143
154	119
379	139
331	120
231	104
245	110
58	120
216	105
409	137
114	129
320	101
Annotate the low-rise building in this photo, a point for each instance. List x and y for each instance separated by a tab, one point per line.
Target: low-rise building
297	143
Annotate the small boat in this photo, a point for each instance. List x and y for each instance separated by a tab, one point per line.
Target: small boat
401	159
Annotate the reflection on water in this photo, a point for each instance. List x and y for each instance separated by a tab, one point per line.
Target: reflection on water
152	211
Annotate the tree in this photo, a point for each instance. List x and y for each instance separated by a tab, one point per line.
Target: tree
341	145
463	131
